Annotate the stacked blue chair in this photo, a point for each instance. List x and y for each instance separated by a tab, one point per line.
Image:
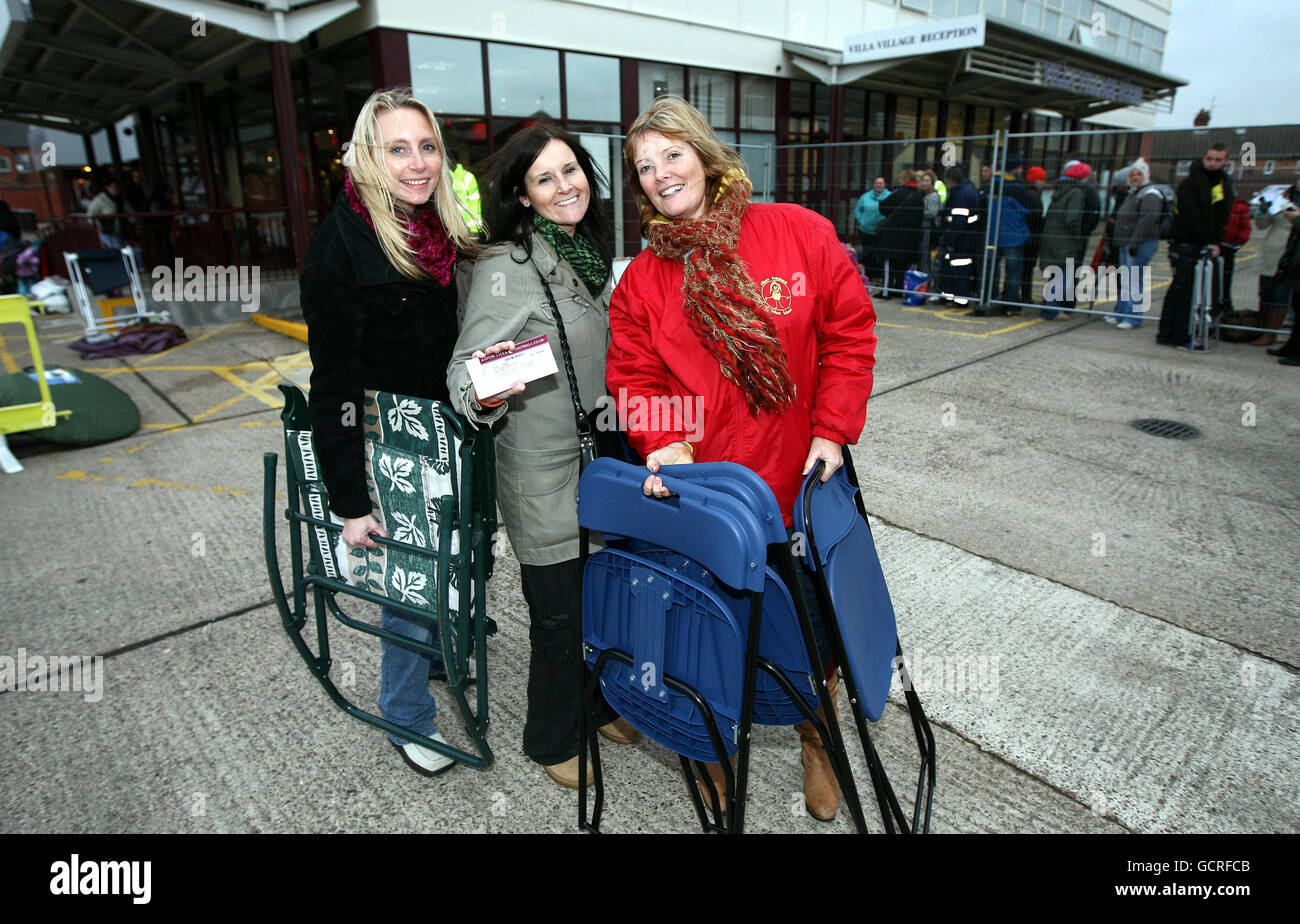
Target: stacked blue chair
694	627
690	628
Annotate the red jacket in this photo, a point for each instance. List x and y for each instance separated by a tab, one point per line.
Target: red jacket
823	316
1237	231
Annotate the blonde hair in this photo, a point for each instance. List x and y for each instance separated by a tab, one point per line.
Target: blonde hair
365	160
673	117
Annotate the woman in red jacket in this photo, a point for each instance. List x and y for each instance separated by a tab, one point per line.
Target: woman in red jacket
749	313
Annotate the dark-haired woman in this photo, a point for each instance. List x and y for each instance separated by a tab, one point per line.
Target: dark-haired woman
546	233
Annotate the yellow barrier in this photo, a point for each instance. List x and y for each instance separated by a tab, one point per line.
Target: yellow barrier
17	418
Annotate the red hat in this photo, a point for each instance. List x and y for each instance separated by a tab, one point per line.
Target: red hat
1034	174
1078	170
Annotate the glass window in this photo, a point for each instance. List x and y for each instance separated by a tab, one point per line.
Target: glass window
876	116
1051	23
446	73
591	83
905	117
943	9
929	127
1015	10
758	103
956	120
758	150
800	96
966	7
714	94
654	80
855	111
524	81
467	140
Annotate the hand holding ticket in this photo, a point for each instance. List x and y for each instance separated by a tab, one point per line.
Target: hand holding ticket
528	361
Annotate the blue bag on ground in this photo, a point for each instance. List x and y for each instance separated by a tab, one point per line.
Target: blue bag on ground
916	285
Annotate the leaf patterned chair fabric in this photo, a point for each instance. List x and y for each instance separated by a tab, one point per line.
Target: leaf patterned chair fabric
421	472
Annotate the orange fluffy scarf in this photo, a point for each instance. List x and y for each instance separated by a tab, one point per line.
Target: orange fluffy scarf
723	303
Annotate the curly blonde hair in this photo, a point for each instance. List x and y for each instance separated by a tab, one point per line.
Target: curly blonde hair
673	117
365	161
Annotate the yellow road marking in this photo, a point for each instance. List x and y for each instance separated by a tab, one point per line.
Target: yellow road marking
255	389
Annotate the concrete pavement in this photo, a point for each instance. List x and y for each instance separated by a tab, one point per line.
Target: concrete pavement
1118	607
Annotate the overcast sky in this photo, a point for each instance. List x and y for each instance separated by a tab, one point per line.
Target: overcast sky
1242	55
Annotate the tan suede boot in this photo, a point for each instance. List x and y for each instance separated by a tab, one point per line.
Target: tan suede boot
1272	318
719	783
821	791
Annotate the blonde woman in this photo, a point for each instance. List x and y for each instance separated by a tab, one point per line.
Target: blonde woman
754	308
380	304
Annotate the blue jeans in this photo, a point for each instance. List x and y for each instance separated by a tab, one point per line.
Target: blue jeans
1011	283
404	696
1132	265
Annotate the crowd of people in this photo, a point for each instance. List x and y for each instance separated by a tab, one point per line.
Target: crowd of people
1032	228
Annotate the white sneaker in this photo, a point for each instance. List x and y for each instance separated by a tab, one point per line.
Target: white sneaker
1110	320
422	760
1124	325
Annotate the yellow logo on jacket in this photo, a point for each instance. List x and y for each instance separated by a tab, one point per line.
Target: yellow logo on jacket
776	294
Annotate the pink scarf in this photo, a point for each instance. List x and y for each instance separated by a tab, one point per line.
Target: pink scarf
430	247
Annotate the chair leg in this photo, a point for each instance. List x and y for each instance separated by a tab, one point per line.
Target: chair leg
8	461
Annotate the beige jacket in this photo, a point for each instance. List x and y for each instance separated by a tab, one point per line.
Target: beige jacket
536	439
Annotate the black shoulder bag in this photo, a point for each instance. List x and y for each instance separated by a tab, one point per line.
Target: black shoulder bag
586	437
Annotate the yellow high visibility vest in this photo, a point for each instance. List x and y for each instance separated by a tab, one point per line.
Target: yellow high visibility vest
465	186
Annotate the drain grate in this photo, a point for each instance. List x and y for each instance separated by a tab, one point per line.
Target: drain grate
1167	428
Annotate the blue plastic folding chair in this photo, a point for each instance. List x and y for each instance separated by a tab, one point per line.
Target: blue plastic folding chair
694	627
854	598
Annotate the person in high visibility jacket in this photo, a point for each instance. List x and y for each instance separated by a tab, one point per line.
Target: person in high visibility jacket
465	186
942	190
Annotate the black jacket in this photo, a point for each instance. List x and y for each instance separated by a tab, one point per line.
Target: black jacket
899	232
962	236
368	326
1200	218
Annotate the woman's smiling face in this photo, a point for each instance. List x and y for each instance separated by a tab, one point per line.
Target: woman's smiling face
556	188
411	155
671	175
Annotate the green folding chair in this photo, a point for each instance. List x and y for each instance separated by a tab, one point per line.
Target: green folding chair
434	490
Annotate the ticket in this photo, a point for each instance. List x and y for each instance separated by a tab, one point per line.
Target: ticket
529	360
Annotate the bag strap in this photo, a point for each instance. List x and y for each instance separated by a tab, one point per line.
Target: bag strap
579	415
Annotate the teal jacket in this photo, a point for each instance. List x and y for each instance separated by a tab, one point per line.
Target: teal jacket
867	212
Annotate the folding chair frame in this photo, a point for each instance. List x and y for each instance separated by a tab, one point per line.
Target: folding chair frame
1207	291
87	302
459	637
890	810
736	783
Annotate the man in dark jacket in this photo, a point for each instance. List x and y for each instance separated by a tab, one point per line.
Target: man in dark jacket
1009	207
899	231
1202	204
960	237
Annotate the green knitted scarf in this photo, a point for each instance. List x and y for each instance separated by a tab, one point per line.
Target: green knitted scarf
580	253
